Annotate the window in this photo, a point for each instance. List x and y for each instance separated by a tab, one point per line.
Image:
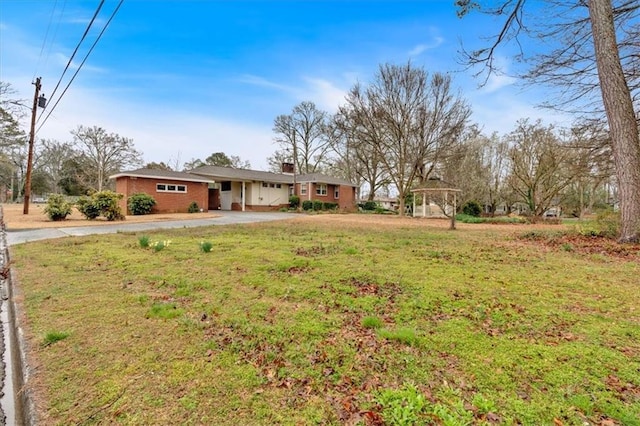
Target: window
162	187
336	192
278	185
265	185
321	189
225	186
303	189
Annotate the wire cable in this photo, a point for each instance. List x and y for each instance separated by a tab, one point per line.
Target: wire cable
81	64
86	31
55	34
44	42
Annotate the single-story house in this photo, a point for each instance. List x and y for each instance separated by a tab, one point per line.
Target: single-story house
173	191
226	188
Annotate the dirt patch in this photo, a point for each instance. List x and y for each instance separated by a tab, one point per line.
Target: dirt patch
14	218
585	244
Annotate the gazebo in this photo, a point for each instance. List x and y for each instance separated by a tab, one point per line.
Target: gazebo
435	187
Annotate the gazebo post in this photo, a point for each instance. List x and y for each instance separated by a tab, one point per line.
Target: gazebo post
413	212
424	204
453	213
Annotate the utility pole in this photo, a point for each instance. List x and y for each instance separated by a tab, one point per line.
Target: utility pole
32	136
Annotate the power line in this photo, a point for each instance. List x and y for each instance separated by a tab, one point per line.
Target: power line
46	36
86	31
55	34
81	64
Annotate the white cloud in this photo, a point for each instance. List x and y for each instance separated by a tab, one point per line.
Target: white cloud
421	48
160	134
497	82
324	93
63	59
263	82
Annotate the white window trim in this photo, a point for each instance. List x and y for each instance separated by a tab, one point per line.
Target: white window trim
336	192
166	186
320	188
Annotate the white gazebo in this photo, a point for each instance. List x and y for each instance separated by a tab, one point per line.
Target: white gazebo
434	187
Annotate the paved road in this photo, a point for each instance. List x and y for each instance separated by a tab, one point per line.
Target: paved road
224	218
11	408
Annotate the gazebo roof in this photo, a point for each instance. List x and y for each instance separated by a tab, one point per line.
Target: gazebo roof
436	185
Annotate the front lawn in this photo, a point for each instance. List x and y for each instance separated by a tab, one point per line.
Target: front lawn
330	321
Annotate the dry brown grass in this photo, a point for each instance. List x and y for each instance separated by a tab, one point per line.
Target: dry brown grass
15	219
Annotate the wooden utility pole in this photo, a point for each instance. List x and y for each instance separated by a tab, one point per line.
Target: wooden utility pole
32	136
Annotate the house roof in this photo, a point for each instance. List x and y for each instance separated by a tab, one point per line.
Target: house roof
320	178
227	173
162	174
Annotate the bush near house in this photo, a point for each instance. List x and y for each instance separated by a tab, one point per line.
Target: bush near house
472	208
103	203
140	203
317	205
329	206
307	205
193	207
294	201
57	207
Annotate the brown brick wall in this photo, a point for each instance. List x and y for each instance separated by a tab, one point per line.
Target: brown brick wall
166	202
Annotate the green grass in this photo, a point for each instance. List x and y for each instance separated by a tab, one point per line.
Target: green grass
289	323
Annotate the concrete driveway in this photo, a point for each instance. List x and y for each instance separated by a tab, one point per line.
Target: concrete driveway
224	218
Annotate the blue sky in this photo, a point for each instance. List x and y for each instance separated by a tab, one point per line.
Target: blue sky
185	79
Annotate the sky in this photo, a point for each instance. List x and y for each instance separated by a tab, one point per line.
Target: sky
184	79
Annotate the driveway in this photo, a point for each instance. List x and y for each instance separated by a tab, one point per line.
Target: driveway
224	218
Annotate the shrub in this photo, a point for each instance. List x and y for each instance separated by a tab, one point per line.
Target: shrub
87	208
144	241
294	201
193	207
329	206
317	205
369	205
103	203
472	208
307	205
206	246
57	208
607	225
140	204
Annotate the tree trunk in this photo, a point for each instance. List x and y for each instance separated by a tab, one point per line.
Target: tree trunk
625	142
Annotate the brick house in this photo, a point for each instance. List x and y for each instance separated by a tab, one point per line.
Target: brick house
173	191
316	186
225	188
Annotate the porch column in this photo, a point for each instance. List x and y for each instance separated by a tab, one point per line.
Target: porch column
424	204
244	195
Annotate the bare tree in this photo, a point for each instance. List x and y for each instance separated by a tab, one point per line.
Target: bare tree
408	120
302	134
590	57
592	166
354	160
104	153
539	166
51	162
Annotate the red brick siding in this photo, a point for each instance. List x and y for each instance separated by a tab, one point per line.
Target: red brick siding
166	202
346	199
